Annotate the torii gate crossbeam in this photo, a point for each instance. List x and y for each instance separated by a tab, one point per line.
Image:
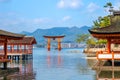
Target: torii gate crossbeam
53	37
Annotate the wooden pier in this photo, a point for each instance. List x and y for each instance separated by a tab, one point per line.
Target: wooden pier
17	49
11	41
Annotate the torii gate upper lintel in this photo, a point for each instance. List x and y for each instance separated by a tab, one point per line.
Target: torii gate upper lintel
53	37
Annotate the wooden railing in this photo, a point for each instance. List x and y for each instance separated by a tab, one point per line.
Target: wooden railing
103	55
22	51
2	59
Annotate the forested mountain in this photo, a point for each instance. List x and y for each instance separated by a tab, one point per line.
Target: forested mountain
70	33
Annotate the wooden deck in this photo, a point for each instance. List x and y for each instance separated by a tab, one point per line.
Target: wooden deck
4	60
16	52
99	66
16	55
109	68
26	76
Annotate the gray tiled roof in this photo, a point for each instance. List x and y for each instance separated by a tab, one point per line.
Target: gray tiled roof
10	34
113	28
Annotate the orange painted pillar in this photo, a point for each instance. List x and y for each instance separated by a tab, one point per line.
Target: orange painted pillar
24	48
20	48
59	44
48	44
10	48
5	54
5	49
31	48
17	48
13	48
109	45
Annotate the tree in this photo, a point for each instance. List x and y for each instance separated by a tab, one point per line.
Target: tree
101	22
104	21
109	6
101	41
86	38
82	38
91	42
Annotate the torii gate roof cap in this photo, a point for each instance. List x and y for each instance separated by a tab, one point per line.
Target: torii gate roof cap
54	36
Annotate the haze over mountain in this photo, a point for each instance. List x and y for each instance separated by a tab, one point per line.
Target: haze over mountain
70	33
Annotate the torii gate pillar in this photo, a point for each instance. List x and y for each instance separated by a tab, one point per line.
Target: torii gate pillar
53	37
59	44
48	44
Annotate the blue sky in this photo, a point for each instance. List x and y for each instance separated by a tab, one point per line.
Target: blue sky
29	15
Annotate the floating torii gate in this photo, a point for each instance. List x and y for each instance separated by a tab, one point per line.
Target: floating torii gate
54	37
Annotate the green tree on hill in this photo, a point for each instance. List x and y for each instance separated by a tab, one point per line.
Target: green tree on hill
104	21
86	38
109	7
101	22
82	38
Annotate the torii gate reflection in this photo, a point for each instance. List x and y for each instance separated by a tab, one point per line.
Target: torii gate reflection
54	37
56	60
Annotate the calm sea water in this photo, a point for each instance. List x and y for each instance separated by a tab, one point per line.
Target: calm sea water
68	64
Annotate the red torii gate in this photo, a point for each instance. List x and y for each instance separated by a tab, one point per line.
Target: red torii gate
53	37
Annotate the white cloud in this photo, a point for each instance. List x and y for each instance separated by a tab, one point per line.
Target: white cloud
61	4
66	18
11	21
69	4
17	21
14	18
92	7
